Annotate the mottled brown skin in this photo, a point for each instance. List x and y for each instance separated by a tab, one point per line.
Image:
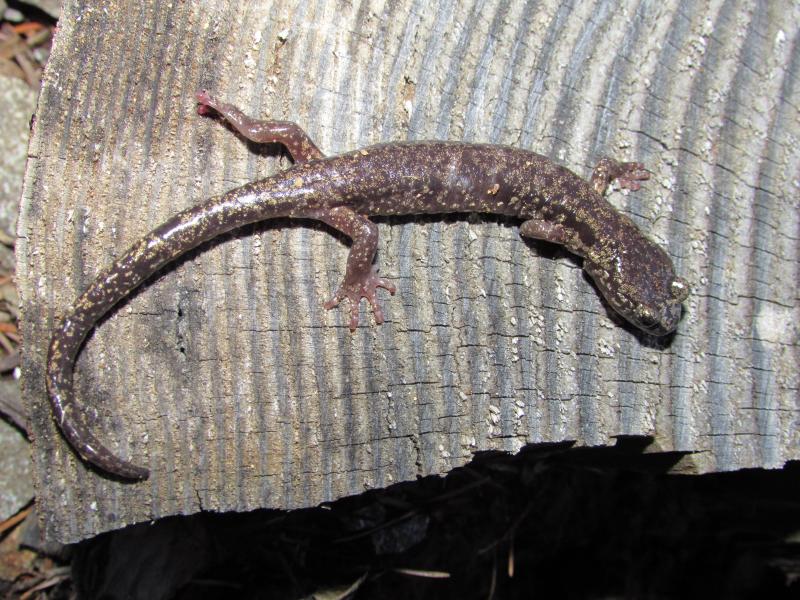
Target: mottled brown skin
634	275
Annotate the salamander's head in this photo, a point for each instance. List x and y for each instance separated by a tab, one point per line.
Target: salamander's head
639	282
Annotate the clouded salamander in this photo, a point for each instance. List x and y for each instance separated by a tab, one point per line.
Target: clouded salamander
634	275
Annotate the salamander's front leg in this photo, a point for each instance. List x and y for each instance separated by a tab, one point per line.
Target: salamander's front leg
361	279
287	133
627	174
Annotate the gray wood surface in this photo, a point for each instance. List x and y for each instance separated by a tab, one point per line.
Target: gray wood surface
225	375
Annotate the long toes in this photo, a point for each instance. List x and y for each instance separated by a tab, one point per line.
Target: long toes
353	315
333	302
355	292
388	286
638	172
631	179
376	309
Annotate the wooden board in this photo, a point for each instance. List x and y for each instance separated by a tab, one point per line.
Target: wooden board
227	378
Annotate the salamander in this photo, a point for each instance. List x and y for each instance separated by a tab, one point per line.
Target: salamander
634	275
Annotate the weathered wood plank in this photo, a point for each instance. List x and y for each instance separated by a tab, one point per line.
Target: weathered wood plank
227	378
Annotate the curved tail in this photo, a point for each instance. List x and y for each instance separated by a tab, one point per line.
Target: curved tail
186	230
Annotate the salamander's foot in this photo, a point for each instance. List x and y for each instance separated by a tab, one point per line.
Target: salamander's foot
627	174
355	291
206	105
631	173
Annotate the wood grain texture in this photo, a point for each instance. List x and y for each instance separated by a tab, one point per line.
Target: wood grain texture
226	377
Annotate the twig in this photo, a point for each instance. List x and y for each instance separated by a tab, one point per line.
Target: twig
12	521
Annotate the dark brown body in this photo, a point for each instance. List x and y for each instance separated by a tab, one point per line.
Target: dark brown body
635	275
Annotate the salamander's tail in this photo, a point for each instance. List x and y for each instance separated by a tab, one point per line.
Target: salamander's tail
181	233
60	362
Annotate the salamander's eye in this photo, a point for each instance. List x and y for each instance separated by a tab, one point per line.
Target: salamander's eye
646	318
679	289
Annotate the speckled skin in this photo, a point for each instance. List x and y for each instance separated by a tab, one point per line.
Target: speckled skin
635	275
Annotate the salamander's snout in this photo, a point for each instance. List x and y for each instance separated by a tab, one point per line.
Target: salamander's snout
651	299
663	312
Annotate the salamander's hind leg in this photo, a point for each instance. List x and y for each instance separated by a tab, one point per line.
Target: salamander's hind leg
287	133
627	174
361	279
